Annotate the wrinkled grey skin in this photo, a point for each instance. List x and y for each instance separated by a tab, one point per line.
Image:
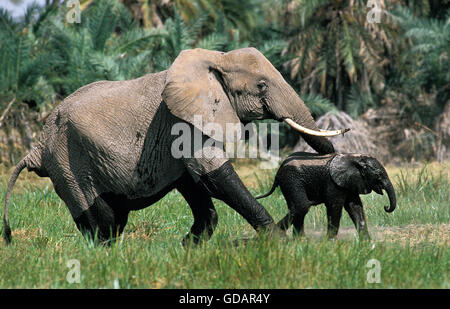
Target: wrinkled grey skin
107	147
308	179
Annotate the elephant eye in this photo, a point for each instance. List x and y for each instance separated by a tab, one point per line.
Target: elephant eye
262	86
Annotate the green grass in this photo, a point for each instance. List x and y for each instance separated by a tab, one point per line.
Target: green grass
411	244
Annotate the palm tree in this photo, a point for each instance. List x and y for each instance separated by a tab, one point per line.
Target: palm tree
424	63
24	89
338	53
107	44
23	63
154	13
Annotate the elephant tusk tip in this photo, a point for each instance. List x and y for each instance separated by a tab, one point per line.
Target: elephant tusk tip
314	132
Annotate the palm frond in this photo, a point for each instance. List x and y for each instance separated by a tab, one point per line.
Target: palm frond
101	22
273	50
317	104
213	41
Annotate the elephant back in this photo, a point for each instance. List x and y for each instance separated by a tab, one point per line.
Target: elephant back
298	159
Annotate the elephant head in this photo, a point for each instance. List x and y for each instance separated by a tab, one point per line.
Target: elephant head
237	87
362	174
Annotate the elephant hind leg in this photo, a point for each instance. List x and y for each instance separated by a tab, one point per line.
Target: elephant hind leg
298	222
298	205
102	220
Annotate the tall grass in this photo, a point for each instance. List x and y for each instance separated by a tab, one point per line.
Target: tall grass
149	254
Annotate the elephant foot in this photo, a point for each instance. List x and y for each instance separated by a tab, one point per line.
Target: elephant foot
364	238
332	236
271	231
194	240
299	235
188	241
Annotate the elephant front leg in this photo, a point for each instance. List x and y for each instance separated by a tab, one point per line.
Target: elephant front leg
334	213
354	207
224	184
220	180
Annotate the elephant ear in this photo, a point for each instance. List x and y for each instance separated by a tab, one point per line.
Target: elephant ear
345	172
194	93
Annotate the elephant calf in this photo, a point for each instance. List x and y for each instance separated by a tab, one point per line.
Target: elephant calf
307	179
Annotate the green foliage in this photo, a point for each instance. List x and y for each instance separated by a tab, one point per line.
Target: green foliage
336	50
326	49
317	104
358	102
22	62
425	63
239	15
107	44
110	44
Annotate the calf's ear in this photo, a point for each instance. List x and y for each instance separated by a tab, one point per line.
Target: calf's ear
346	173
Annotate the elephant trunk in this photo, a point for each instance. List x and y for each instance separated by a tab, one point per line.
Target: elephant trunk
298	116
389	188
291	109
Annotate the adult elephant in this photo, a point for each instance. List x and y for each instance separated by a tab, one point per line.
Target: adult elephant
107	147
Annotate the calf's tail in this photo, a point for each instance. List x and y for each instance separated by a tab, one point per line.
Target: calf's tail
274	186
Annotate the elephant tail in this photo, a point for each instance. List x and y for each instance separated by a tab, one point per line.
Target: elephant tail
7	229
274	186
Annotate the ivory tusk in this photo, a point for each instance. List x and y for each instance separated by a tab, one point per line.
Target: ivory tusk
302	129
